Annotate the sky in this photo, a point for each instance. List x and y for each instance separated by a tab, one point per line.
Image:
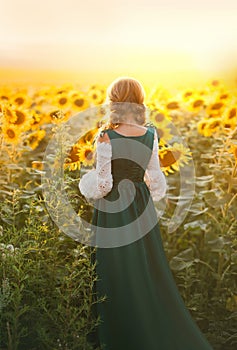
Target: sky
164	37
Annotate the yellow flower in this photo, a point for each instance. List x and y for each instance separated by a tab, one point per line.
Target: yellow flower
73	160
197	103
35	120
158	116
187	94
5	94
172	105
215	109
173	157
18	117
62	100
10	134
213	125
201	126
96	95
79	101
86	154
34	138
9	115
230	117
21	99
88	137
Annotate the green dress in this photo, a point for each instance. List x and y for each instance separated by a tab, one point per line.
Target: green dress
144	309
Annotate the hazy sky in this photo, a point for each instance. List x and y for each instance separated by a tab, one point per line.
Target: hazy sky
98	35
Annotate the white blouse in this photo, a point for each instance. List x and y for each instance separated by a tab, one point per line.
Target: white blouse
98	182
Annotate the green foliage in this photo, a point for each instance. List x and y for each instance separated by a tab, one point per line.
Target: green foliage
46	281
202	251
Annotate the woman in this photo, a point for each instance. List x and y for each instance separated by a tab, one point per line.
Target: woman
143	309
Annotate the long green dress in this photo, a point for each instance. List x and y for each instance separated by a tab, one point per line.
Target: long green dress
144	309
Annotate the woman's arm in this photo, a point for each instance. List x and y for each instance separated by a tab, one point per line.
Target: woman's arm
154	177
98	182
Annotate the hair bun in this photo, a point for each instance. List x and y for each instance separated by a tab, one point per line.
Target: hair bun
120	109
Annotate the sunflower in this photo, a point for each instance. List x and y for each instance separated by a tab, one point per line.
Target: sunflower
88	137
187	94
5	94
223	96
173	157
172	105
195	103
9	115
96	95
11	134
158	116
35	119
230	117
21	99
213	125
79	101
34	138
62	100
73	161
201	126
215	109
23	120
86	154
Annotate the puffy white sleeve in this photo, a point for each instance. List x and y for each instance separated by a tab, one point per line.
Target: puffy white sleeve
154	177
98	182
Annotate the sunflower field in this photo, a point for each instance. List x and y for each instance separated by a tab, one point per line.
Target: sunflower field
46	277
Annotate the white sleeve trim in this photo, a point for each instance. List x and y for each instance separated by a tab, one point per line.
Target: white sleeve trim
98	182
154	177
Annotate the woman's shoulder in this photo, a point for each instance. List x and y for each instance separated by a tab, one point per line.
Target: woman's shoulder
152	127
103	136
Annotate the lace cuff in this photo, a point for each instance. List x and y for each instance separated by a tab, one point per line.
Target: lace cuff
98	182
154	177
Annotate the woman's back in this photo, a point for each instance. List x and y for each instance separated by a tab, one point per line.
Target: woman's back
130	154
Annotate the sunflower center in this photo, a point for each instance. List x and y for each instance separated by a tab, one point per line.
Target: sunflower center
19	100
232	113
222	97
79	102
159	117
73	155
170	158
172	105
197	103
10	133
227	125
20	118
188	93
63	100
214	124
3	97
217	105
203	126
88	154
